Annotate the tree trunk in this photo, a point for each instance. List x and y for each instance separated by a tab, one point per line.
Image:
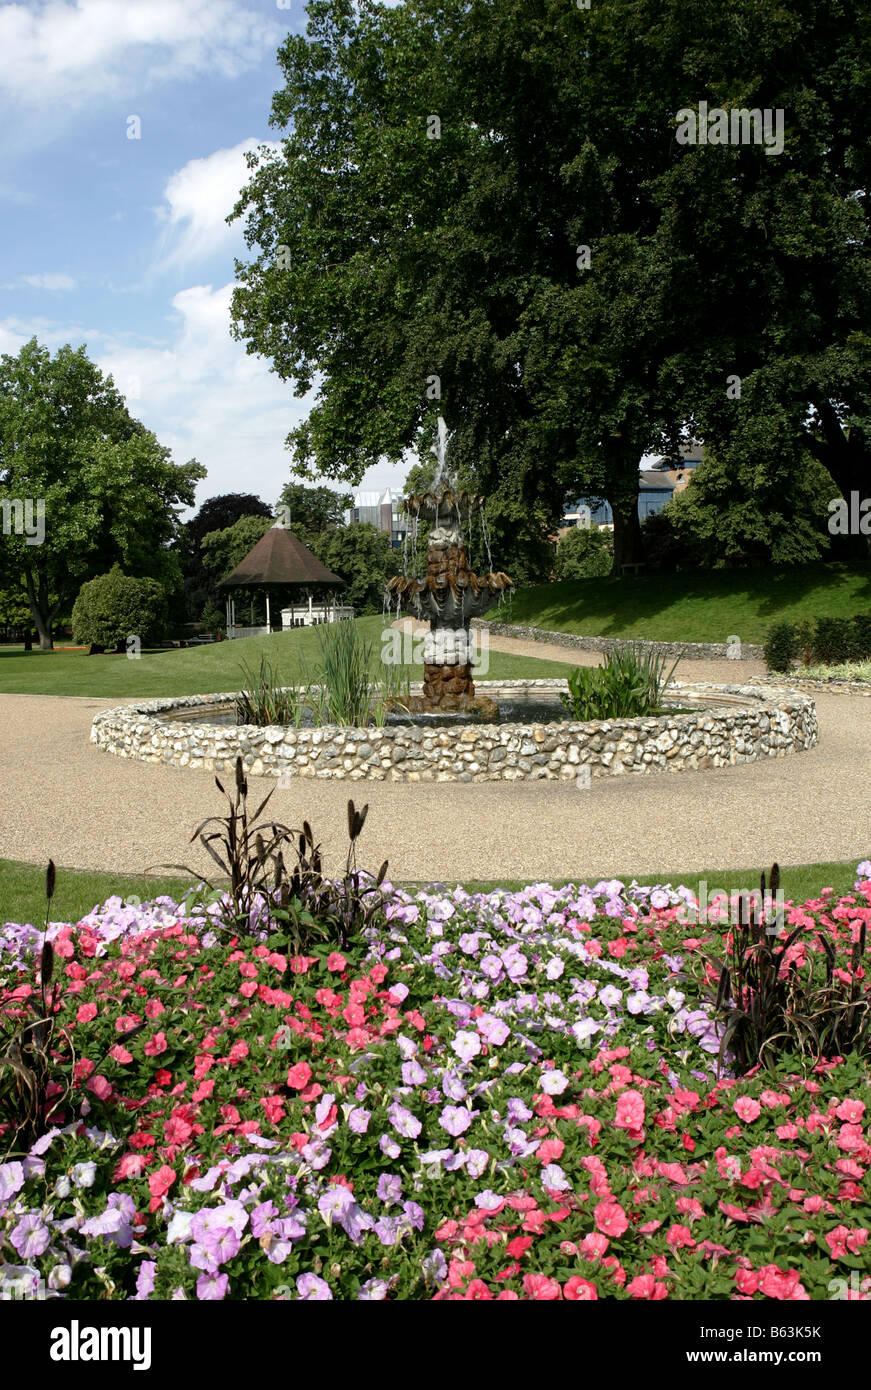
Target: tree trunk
42	614
847	459
628	542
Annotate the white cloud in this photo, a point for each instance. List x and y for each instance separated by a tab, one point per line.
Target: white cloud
81	50
199	196
201	393
49	280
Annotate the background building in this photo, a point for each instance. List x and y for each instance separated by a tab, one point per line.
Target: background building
381	510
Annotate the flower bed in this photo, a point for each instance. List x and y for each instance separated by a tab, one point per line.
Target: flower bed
509	1097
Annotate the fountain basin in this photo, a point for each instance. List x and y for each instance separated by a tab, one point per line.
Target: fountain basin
724	725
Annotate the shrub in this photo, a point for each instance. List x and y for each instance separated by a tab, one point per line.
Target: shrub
781	648
805	633
264	700
862	636
631	683
835	641
583	553
115	606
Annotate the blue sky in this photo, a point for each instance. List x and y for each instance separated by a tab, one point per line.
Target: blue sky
121	243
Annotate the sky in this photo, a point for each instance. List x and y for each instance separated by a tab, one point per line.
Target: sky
125	124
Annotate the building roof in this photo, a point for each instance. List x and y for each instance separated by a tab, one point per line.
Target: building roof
279	558
691	454
654	482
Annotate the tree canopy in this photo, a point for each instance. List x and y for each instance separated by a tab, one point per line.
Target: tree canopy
107	487
480	208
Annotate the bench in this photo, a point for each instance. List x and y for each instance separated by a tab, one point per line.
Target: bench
635	567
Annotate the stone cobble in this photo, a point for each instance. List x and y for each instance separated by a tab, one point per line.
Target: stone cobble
733	724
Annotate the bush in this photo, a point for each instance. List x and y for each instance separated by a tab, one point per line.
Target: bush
631	683
862	636
115	606
835	641
781	647
583	553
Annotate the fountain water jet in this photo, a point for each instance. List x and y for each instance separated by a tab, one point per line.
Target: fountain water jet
450	594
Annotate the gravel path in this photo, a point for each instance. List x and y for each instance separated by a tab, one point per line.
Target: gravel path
64	798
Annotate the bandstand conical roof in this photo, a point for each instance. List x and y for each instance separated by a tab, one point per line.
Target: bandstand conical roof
279	558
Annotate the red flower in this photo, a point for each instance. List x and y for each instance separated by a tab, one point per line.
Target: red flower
539	1286
160	1182
299	1076
578	1289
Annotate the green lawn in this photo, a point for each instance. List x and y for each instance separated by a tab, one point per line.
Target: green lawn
696	607
202	670
22	886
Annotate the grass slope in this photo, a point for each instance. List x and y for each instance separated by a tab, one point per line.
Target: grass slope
203	670
708	606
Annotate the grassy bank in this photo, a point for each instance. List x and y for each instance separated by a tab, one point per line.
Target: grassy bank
697	607
203	670
22	886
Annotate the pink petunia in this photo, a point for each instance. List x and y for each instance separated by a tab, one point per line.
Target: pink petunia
851	1111
610	1218
336	961
155	1045
85	1013
579	1290
646	1286
299	1076
539	1286
747	1109
630	1112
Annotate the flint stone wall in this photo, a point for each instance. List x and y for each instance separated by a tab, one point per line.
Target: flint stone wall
692	651
757	724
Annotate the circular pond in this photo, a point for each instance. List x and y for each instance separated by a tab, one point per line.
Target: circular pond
711	726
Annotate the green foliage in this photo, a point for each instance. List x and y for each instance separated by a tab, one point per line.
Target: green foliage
110	490
115	606
780	649
265	700
361	555
313	509
584	552
303	906
631	683
819	642
773	1001
343	674
762	500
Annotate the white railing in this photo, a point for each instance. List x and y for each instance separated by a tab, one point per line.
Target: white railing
303	616
236	631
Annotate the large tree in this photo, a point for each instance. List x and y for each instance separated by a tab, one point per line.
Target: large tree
555	272
414	275
311	510
107	489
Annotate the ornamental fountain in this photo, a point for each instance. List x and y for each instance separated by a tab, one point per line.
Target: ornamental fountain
450	595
